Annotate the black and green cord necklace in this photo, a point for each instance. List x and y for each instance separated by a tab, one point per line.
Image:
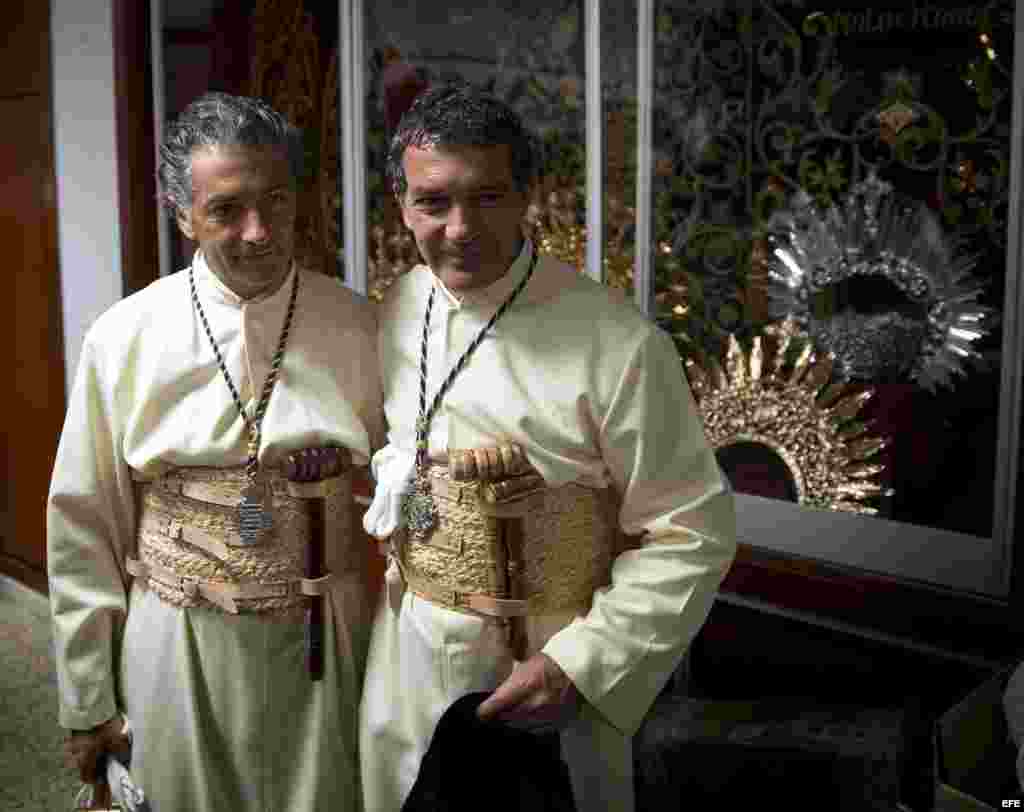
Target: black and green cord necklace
418	508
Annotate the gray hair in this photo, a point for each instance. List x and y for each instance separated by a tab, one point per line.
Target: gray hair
221	120
461	114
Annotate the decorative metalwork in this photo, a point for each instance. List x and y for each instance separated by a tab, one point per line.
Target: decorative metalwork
755	102
553	221
419	512
780	395
926	322
893	120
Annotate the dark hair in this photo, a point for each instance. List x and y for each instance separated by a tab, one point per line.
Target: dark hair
220	119
460	114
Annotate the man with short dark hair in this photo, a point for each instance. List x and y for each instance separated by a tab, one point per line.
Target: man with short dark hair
204	578
534	420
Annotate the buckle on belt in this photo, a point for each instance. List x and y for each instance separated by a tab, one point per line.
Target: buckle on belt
440	595
189	586
172	528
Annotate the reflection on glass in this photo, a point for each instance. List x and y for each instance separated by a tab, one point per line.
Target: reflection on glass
769	109
530	54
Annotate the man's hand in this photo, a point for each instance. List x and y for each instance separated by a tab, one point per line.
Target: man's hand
536	695
84	748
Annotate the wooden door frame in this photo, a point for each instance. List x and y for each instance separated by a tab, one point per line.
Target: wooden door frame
136	143
137	203
37	320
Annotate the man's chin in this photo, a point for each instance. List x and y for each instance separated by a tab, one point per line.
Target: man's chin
253	278
263	263
465	276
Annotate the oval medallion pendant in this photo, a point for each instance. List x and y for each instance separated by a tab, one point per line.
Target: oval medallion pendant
419	510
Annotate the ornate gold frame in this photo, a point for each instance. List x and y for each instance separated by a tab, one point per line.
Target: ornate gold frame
794	409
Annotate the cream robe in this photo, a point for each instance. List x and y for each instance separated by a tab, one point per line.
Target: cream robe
224	713
596	395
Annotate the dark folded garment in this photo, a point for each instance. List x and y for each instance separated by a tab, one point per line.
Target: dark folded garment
489	767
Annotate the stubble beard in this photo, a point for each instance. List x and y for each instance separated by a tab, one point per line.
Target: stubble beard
250	281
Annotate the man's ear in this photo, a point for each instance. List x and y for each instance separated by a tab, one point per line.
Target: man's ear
184	219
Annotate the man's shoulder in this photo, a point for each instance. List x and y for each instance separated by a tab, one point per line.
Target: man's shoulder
565	289
336	306
405	290
330	295
138	310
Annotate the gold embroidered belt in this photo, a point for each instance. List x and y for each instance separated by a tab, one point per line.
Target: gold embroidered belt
190	551
507	545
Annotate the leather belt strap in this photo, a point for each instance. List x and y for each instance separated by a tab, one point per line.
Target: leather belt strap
450	598
213	544
225	594
215	492
200	491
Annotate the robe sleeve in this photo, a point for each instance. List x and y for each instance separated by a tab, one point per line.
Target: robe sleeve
90	526
621	654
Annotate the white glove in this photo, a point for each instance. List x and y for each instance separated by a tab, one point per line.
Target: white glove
393	470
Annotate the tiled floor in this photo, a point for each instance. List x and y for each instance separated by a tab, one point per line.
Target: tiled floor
32	772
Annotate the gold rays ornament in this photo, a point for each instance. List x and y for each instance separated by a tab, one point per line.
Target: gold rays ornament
794	410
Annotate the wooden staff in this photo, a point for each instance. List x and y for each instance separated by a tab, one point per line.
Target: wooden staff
308	472
511	532
315	610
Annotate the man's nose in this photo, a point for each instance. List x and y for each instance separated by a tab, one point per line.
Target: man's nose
463	222
255	226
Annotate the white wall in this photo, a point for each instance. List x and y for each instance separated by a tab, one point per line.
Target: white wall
85	152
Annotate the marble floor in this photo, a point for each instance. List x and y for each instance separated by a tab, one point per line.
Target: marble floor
32	772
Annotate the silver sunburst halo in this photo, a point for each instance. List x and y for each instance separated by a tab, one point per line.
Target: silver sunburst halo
925	329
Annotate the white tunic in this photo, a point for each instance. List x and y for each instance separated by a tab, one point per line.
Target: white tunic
596	395
224	714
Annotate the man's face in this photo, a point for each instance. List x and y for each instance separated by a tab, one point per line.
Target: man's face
465	211
243	216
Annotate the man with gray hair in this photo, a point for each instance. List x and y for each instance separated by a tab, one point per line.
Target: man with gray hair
205	581
534	420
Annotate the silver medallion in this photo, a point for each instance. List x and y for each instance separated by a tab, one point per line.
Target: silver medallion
419	510
254	517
